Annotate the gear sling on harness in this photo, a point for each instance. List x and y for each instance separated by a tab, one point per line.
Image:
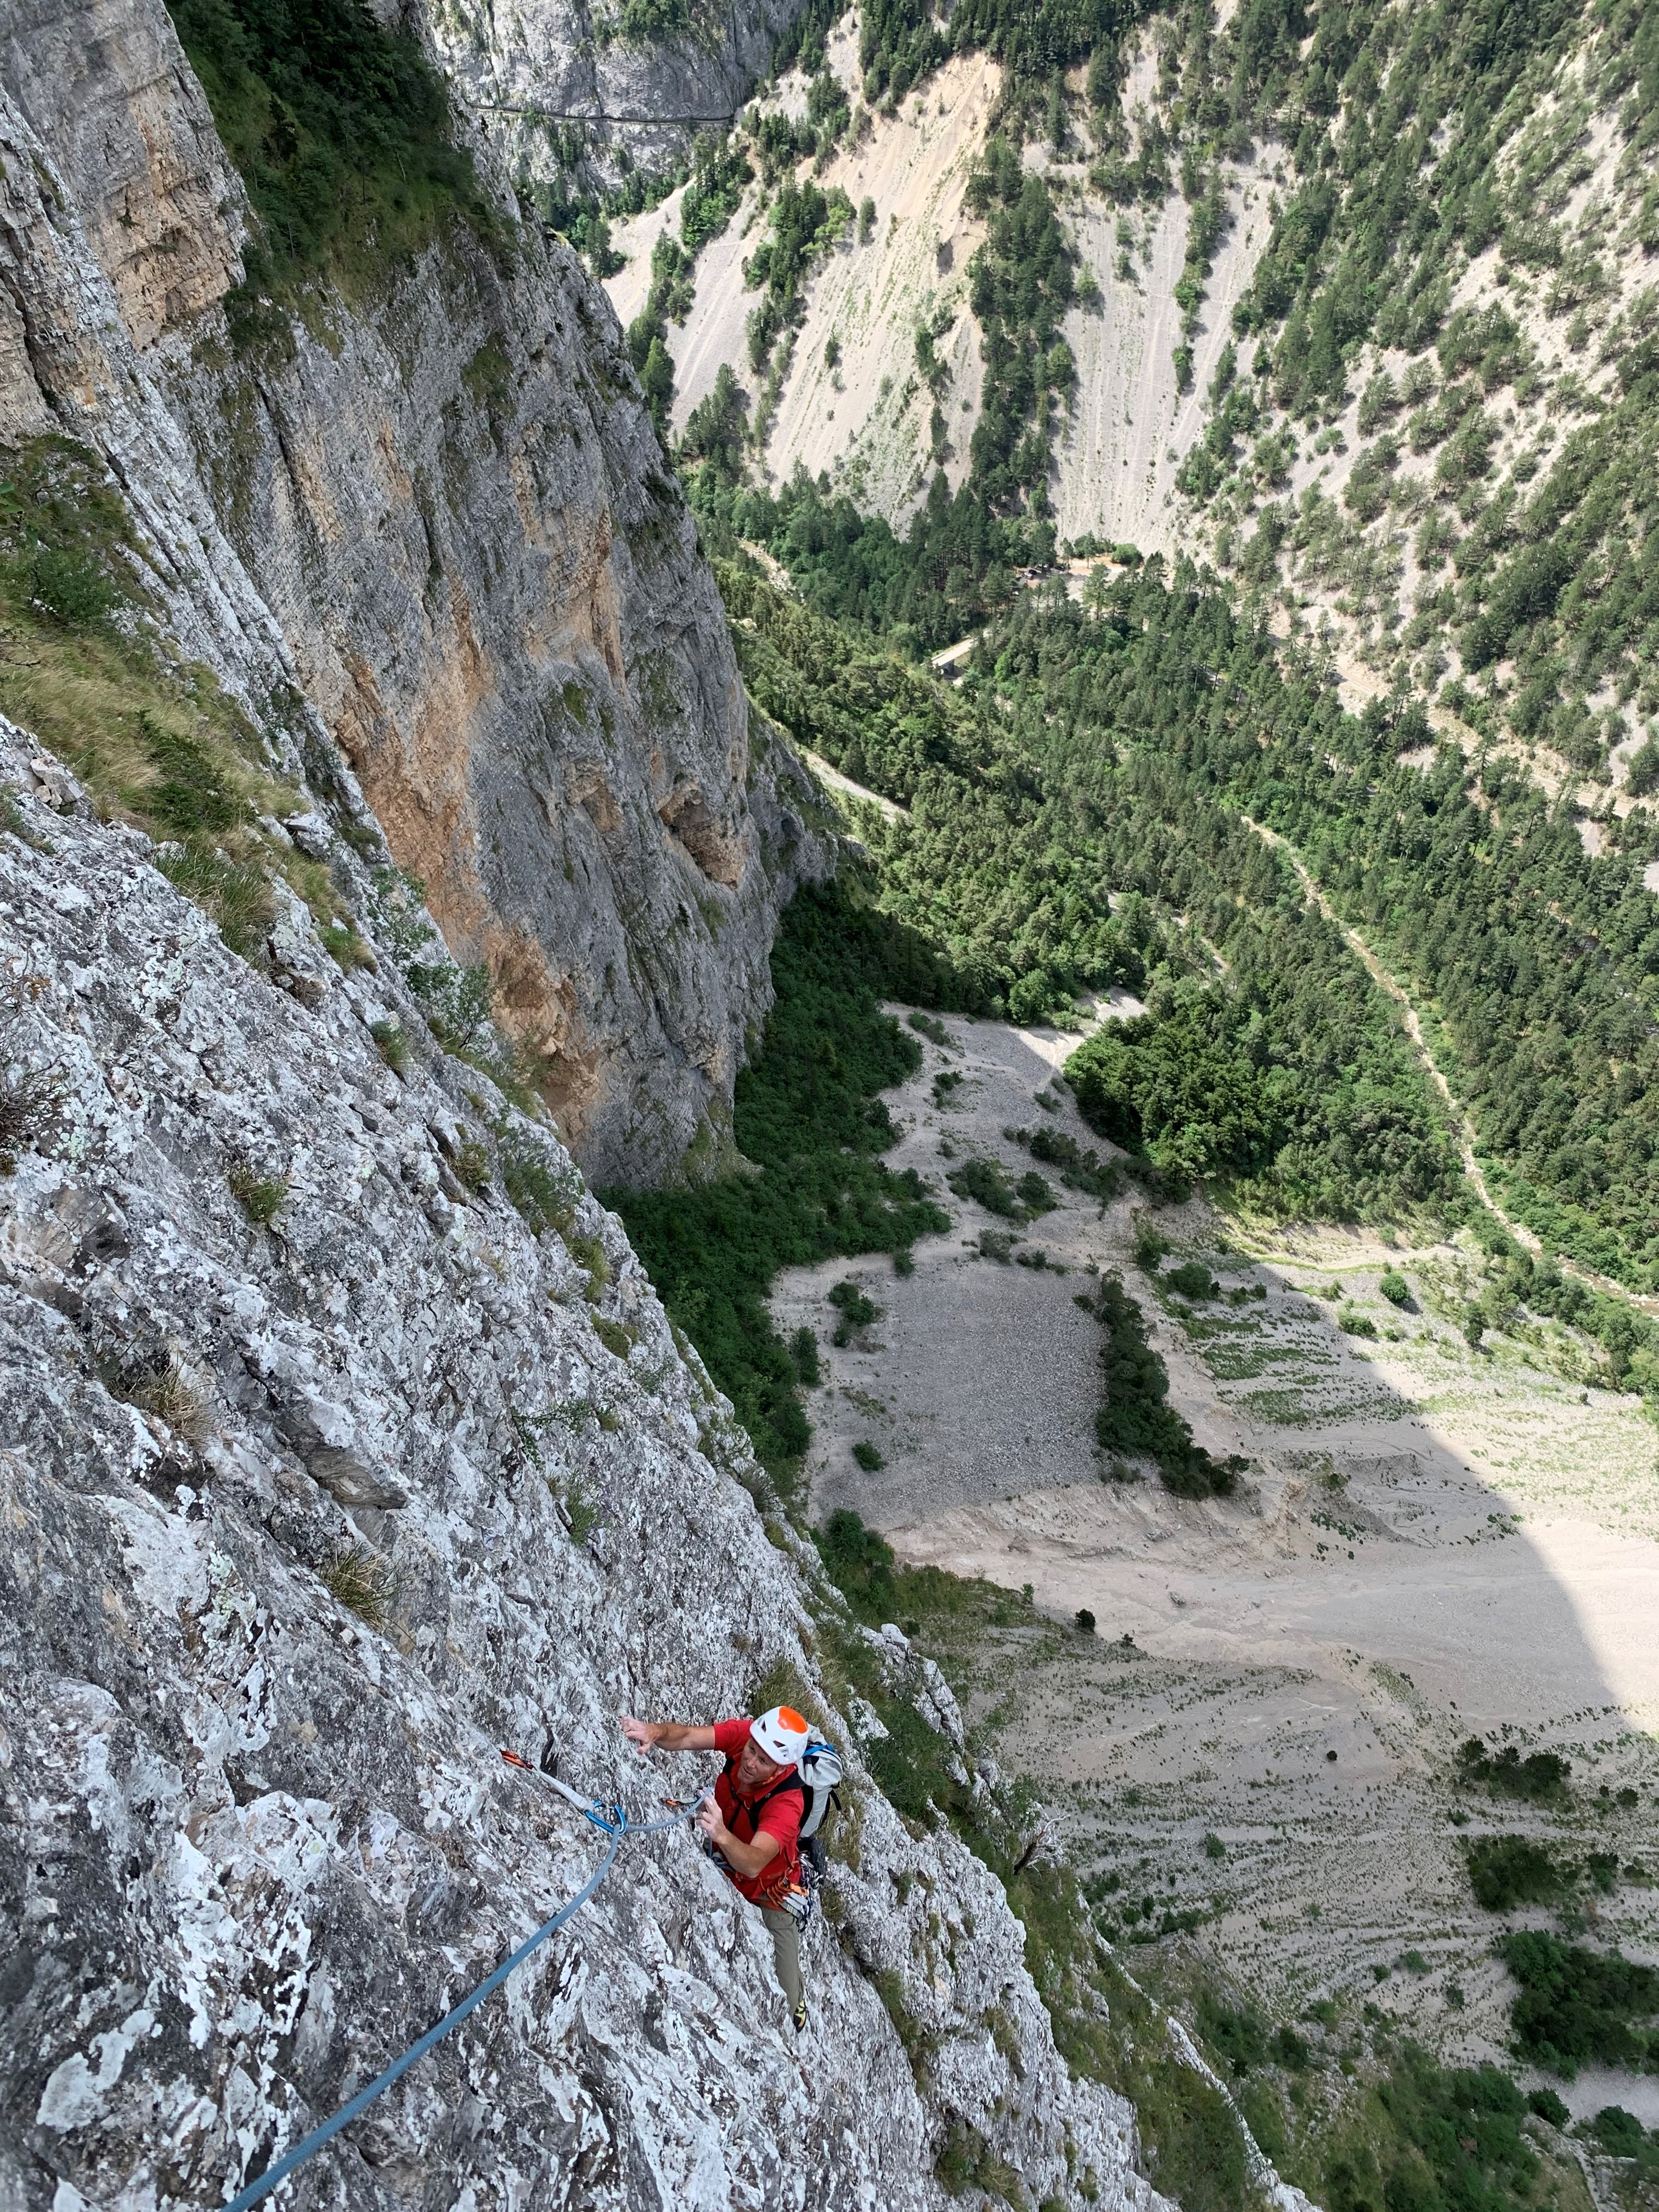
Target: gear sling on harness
616	1825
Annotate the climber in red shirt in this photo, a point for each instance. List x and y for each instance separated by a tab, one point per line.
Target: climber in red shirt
754	1818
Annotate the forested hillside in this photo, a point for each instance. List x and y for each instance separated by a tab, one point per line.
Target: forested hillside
1429	433
1079	816
1460	288
1429	443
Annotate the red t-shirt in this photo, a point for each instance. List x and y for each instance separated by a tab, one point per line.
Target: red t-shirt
781	1817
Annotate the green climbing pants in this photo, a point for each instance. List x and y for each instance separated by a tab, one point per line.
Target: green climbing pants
785	1952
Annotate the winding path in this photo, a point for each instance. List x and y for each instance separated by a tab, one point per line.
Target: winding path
1385	980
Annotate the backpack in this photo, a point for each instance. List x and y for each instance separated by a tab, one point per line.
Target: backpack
820	1777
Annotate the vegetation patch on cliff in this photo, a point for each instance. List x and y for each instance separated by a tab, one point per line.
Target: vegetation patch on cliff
340	130
86	666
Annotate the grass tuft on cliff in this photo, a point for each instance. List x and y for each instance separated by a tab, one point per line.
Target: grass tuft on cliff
342	133
86	668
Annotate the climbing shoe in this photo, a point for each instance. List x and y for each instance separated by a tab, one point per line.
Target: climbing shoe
798	2016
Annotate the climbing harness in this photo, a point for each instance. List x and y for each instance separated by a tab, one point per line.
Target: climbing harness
616	1824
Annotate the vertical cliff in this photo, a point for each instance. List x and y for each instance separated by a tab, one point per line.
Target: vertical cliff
625	82
413	513
341	1441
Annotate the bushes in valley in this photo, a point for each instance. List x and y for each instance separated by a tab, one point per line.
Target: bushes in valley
1506	1871
854	1309
984	1182
1540	1778
1170	1085
810	1117
1062	846
1135	1417
882	723
1580	2008
1081	1167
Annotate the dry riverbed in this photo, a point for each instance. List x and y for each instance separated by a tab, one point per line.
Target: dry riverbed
1433	1542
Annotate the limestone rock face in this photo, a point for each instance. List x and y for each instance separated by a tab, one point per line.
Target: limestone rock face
437	518
563	63
322	1477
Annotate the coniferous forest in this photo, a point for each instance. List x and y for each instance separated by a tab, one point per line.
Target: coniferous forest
1080	814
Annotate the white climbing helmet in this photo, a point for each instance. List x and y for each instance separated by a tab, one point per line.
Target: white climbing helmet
783	1734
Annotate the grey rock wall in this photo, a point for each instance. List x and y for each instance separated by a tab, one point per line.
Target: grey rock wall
429	535
251	1842
562	69
303	1516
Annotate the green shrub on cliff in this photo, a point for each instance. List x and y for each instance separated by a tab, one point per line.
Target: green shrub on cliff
341	132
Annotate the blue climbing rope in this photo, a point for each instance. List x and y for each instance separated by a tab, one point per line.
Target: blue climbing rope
616	1826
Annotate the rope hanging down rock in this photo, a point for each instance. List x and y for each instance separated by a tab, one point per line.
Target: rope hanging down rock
616	1825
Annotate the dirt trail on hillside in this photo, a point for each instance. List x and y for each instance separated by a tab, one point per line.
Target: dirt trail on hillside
1463	1127
1386	982
1429	1542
